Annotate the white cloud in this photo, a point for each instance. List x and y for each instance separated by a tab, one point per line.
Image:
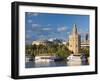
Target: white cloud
68	33
46	29
41	35
62	29
35	25
29	21
48	24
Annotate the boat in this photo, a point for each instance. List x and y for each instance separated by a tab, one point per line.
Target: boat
56	58
73	60
43	59
29	58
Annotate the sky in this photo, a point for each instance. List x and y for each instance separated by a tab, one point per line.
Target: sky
45	26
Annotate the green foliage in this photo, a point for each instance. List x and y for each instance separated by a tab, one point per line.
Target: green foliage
85	51
50	49
63	51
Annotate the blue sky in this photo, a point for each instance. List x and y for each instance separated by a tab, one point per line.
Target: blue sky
48	25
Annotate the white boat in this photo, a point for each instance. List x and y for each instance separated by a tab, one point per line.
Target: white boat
42	59
73	60
29	58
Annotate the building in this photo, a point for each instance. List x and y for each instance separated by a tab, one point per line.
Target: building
85	43
47	42
74	41
87	37
64	43
37	42
42	42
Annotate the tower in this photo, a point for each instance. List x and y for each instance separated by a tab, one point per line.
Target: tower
87	37
74	41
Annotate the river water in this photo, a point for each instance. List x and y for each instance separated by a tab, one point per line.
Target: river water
33	64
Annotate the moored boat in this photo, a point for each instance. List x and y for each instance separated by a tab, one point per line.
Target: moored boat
42	59
73	60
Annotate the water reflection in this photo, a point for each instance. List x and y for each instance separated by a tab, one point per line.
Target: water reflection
33	64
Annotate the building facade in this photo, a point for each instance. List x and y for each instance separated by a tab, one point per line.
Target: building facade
38	42
86	42
74	41
41	42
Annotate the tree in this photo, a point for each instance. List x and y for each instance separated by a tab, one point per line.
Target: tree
28	49
85	51
63	51
33	50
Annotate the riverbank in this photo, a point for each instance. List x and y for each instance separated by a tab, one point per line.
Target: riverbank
48	62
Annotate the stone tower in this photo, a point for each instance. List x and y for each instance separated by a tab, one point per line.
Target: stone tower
74	41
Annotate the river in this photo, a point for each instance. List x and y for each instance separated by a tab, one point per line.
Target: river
33	64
